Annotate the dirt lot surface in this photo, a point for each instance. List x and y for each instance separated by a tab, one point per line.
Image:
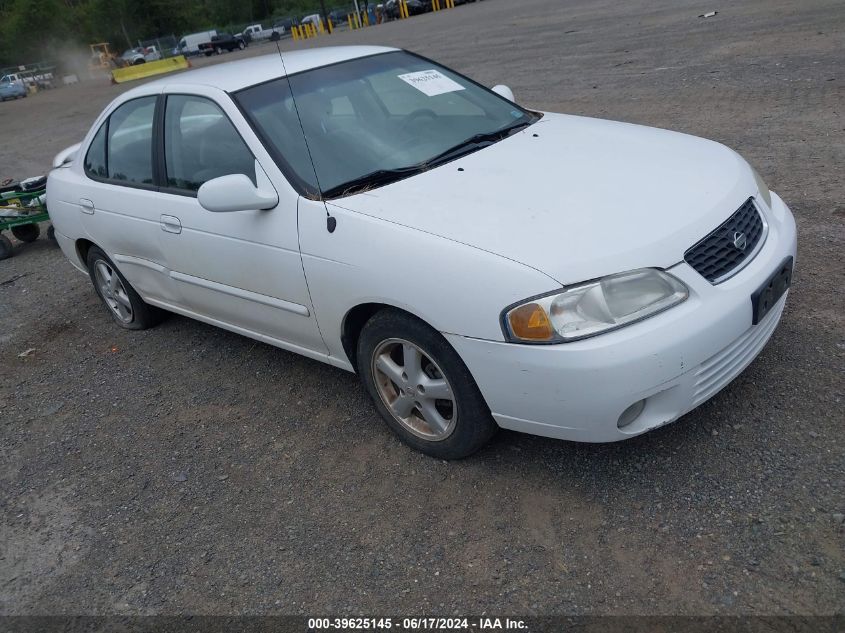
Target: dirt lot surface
185	469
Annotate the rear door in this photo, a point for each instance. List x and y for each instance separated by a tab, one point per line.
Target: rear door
117	200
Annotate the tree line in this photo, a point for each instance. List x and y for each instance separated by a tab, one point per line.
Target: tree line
36	30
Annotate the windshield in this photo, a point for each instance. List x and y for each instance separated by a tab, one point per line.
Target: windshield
374	120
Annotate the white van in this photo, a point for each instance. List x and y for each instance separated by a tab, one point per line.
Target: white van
189	44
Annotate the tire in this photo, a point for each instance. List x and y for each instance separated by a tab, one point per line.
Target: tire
6	248
241	45
26	232
123	304
51	234
464	420
208	53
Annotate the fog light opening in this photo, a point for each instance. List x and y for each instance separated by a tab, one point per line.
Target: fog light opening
630	414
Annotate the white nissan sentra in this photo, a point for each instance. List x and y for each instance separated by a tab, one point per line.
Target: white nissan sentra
478	264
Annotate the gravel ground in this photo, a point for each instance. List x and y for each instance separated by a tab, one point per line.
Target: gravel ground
189	470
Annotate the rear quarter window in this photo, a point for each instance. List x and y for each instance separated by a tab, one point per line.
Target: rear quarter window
130	141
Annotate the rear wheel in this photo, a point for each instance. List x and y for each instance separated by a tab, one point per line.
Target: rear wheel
26	232
421	387
124	304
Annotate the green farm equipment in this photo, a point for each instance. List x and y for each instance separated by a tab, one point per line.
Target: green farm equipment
20	212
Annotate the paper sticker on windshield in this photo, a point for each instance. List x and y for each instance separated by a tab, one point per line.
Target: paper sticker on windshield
431	82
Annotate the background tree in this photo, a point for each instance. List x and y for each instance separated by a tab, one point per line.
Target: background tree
43	30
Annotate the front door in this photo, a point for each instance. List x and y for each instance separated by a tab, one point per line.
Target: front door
241	269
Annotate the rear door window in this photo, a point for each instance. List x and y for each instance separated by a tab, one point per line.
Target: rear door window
130	142
122	149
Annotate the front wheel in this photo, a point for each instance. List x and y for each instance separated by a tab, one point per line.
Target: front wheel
421	387
124	304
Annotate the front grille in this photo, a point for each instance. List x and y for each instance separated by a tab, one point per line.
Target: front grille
722	252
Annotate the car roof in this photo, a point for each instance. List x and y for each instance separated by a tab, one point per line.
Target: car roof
232	76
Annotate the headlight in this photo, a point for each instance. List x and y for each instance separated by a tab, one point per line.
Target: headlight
594	307
765	194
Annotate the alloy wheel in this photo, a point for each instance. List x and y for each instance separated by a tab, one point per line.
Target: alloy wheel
113	292
414	389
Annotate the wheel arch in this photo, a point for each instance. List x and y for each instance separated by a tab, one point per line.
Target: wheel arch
354	321
83	247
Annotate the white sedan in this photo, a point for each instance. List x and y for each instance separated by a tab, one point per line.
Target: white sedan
477	263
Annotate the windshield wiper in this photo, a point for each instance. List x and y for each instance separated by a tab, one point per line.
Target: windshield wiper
476	142
373	179
381	177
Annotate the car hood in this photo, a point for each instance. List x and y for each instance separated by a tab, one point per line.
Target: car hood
574	197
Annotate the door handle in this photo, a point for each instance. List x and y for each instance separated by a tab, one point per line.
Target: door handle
171	224
86	206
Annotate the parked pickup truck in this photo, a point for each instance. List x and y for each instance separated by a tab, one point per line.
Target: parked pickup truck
141	55
222	42
257	32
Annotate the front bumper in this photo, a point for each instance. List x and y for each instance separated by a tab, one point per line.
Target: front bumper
674	361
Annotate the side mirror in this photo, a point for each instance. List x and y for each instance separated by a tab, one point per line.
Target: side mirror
236	192
504	91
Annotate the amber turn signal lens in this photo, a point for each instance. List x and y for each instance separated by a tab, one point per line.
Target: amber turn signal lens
530	323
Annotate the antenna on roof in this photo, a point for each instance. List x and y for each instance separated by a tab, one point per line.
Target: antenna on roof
331	222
